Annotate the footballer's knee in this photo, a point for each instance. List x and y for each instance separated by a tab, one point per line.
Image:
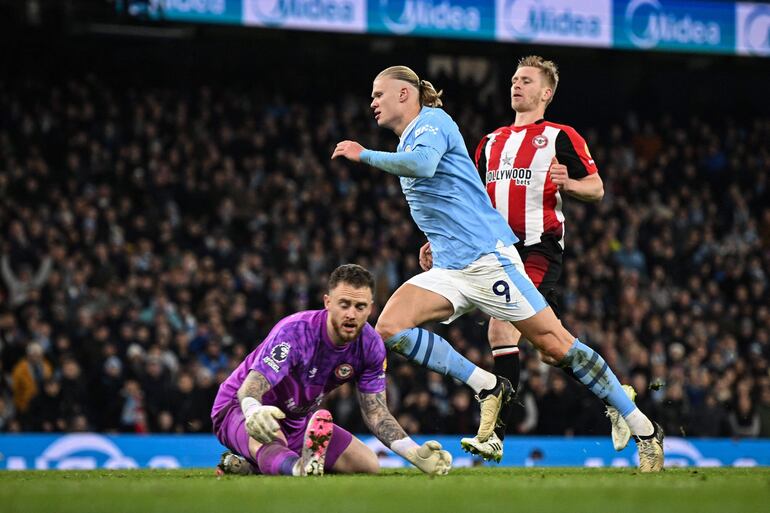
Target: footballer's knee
547	334
387	327
357	459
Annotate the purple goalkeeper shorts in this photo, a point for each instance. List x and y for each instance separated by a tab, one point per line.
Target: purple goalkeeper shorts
230	429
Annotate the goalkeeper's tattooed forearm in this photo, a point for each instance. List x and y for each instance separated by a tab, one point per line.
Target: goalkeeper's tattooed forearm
374	410
255	385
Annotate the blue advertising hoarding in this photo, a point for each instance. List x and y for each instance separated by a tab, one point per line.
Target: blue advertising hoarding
197	11
469	19
323	15
91	450
557	22
674	25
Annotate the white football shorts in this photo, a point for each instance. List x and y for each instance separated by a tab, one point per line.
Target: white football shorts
495	283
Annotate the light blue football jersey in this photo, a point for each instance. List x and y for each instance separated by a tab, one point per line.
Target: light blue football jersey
451	207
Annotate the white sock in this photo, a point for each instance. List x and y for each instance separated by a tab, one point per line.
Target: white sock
480	380
639	424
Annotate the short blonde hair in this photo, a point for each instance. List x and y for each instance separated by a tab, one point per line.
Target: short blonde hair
428	94
547	68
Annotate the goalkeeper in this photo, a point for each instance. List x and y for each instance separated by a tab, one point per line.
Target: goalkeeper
266	412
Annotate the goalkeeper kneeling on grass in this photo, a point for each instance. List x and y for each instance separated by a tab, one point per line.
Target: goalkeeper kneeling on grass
266	413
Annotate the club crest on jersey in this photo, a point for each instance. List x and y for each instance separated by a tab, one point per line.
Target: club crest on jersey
540	141
343	371
280	352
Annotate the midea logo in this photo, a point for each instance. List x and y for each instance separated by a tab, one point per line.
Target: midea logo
404	16
278	11
548	19
666	27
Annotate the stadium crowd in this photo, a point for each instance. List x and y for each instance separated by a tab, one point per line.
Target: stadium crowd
151	237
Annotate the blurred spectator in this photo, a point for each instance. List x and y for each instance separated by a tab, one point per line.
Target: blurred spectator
744	420
28	376
464	417
673	413
23	286
73	390
420	405
557	408
763	411
213	358
165	422
158	391
190	415
708	419
205	392
132	417
629	257
7	413
106	396
47	409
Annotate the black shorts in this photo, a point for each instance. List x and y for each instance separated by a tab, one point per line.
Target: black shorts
543	262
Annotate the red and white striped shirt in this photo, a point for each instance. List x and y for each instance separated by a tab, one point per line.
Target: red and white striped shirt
515	161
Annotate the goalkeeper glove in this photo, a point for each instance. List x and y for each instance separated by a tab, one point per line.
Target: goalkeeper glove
261	421
428	457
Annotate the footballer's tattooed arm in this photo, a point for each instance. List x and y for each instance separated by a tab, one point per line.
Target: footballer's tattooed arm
374	410
255	385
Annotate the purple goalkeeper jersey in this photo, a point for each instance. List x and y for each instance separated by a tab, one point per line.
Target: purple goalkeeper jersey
302	365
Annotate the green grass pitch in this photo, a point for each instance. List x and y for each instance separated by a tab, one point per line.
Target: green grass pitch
482	489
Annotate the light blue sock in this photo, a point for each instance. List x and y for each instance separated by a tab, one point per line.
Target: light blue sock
591	370
431	351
